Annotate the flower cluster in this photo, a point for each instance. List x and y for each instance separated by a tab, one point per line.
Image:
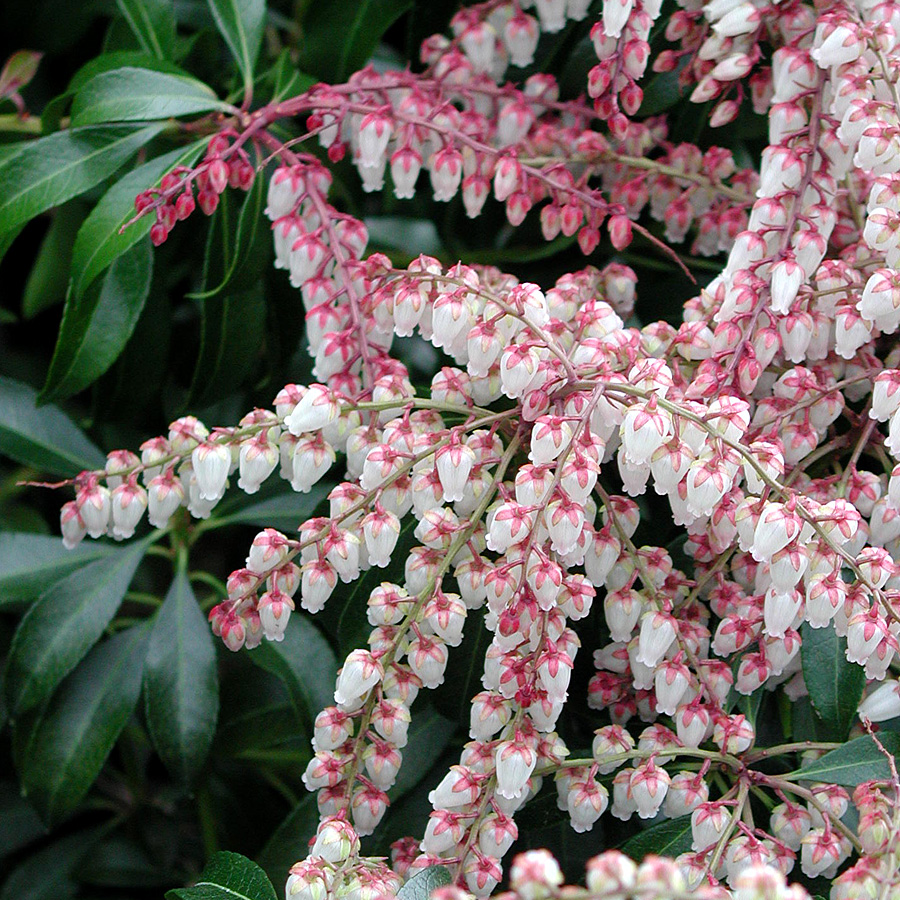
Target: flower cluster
519	470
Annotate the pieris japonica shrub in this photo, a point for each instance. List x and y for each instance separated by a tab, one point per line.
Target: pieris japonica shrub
731	692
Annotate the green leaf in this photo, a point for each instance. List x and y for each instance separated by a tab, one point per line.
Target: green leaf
120	862
49	276
231	333
19	823
140	95
153	24
67	620
835	685
7	238
285	511
668	838
47	874
97	325
31	563
288	81
662	93
857	761
420	886
429	735
249	244
228	876
241	23
360	23
181	683
306	664
82	723
462	679
99	242
56	168
45	438
295	831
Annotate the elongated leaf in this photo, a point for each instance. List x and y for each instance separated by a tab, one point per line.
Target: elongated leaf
420	886
52	114
82	723
249	244
835	685
7	238
99	242
669	838
31	563
49	276
360	23
96	326
241	23
857	761
228	876
462	679
181	683
121	862
45	438
306	664
280	851
285	511
153	24
288	81
231	333
67	620
48	874
56	168
429	735
139	95
19	823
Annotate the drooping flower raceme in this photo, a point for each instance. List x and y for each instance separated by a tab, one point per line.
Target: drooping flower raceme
767	423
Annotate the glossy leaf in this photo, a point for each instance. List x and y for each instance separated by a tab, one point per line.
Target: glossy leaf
44	437
97	325
248	245
48	873
82	723
857	761
285	511
670	837
306	664
241	24
153	24
31	563
230	337
228	876
56	168
121	862
288	81
181	683
67	620
360	23
280	851
429	735
835	685
99	240
49	278
19	823
140	95
7	238
462	679
420	886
